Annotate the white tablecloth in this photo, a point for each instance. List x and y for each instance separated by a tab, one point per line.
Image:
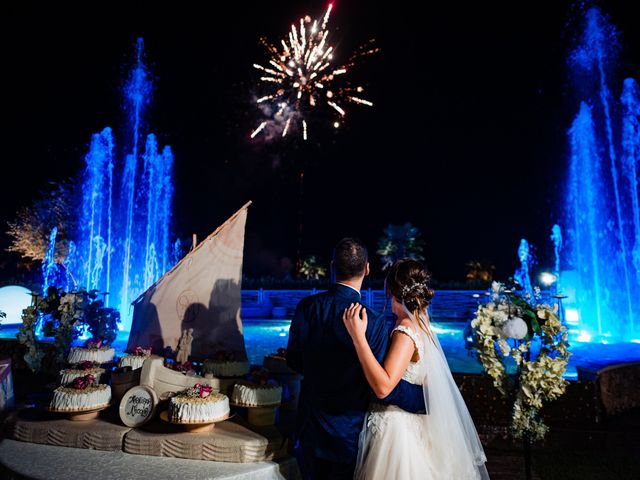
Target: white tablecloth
49	462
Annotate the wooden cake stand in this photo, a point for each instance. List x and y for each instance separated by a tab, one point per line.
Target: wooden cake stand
195	427
81	415
259	415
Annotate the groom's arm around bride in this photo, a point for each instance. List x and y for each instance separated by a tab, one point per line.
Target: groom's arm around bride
335	394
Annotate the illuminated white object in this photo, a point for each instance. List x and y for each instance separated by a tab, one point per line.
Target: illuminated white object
13	299
572	316
547	278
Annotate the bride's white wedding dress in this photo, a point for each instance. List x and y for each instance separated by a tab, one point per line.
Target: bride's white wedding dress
442	445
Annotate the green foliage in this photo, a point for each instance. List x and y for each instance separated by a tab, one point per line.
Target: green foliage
400	241
65	316
311	269
27	336
102	323
478	271
29	232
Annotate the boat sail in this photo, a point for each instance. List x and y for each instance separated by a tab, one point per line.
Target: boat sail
201	292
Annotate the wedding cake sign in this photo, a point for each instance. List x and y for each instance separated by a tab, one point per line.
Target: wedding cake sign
202	293
138	406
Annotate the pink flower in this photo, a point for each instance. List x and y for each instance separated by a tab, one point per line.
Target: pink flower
86	365
203	390
142	351
81	383
181	367
92	343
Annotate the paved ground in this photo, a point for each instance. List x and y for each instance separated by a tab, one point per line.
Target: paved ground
506	466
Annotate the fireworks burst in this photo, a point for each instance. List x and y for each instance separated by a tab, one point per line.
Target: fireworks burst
300	78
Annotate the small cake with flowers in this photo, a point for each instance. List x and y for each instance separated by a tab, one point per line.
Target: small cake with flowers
257	391
198	404
226	364
135	359
95	351
81	394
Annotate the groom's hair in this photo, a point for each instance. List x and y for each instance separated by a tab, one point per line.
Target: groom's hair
350	258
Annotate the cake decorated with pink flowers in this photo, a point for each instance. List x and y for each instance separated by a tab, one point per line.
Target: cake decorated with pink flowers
81	394
226	364
95	351
257	391
198	404
136	358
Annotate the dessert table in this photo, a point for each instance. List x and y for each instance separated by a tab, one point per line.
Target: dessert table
45	462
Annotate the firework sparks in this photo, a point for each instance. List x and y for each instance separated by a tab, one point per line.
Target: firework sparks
301	79
259	129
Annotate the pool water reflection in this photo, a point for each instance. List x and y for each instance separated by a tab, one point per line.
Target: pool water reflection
265	336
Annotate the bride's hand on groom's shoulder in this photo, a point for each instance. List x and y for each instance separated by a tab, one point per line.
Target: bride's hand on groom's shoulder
356	323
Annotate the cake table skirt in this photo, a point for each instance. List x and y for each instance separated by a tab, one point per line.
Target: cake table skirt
104	433
229	441
50	462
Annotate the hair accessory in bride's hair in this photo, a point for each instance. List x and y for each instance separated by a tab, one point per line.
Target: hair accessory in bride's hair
414	287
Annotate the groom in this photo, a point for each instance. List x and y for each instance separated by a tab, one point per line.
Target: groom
335	394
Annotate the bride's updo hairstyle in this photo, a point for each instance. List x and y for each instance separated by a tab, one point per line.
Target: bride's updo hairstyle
408	281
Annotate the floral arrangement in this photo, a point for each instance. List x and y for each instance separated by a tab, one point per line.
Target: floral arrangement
65	315
27	336
177	366
86	365
142	351
199	391
94	343
506	327
80	383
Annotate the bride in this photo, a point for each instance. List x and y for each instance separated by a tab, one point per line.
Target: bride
394	444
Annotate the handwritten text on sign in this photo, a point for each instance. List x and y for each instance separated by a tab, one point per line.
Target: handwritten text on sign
137	406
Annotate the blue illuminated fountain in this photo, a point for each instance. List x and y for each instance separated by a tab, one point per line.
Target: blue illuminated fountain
54	273
123	244
523	273
602	214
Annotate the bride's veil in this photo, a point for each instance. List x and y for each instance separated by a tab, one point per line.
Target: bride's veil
451	436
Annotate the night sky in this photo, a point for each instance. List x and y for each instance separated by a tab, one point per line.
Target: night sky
467	139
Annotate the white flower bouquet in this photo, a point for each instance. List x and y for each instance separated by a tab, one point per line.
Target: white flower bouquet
507	326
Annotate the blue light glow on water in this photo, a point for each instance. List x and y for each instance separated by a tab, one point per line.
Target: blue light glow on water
263	337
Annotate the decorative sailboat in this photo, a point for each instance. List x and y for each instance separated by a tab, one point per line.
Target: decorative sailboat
201	292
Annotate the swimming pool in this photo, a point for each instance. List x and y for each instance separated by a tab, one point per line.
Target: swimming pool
265	336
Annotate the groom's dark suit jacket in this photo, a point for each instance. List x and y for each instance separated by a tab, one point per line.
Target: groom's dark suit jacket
335	394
